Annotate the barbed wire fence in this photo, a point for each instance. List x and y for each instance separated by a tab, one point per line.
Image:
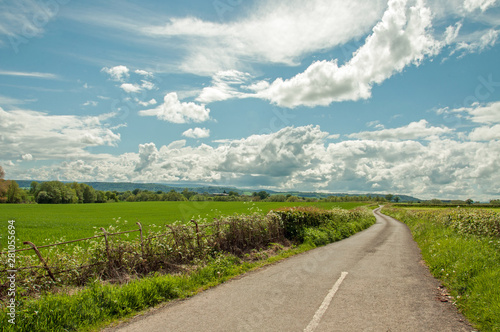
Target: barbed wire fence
107	257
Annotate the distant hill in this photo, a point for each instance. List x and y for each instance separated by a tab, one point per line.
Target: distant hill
154	187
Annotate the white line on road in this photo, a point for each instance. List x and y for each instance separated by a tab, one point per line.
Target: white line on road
324	306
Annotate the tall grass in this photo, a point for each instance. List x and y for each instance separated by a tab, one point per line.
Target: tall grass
462	249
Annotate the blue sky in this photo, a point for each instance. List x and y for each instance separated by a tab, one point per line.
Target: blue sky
320	95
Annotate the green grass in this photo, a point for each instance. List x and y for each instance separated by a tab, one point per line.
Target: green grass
43	224
468	265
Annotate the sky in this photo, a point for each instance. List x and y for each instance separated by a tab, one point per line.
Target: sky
398	96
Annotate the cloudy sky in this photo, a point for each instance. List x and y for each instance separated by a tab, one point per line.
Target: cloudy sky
354	96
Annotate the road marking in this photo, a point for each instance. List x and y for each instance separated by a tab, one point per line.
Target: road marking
324	306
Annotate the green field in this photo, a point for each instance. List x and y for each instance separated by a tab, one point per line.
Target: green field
43	224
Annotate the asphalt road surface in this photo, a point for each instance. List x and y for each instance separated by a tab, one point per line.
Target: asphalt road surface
372	281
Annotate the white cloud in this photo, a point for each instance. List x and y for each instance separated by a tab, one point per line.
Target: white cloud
146	103
143	72
485	133
476	42
27	157
480	113
90	103
147	85
24	132
472	5
413	131
292	29
136	88
148	154
7	101
30	74
117	73
131	88
401	38
452	32
197	133
225	85
172	110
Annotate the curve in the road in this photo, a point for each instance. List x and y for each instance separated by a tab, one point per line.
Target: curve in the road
372	281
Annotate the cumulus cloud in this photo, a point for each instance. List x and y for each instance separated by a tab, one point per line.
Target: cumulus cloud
277	154
401	38
117	73
148	154
175	111
197	133
135	88
146	103
24	132
485	133
483	113
143	72
130	88
27	157
413	131
302	159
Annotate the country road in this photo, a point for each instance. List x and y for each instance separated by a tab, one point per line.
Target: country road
372	281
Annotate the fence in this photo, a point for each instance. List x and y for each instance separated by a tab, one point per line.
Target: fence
178	244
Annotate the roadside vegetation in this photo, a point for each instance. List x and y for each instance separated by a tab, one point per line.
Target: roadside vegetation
135	277
462	249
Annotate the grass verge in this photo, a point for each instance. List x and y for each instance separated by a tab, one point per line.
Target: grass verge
101	304
468	265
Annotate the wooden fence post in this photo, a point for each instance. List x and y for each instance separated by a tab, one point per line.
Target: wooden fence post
41	259
142	239
197	234
108	254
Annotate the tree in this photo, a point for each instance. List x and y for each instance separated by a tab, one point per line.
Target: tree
396	199
2	172
13	193
188	194
33	187
100	197
55	192
173	196
389	197
262	194
277	198
435	201
469	201
89	195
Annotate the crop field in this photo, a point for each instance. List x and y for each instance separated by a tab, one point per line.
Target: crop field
43	224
